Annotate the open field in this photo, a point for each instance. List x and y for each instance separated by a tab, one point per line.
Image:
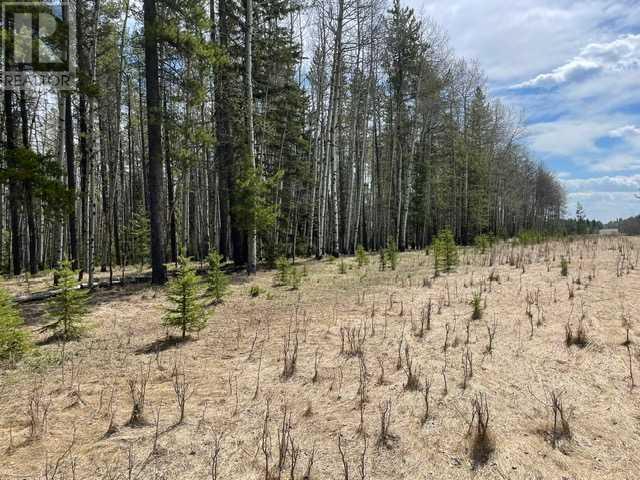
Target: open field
350	339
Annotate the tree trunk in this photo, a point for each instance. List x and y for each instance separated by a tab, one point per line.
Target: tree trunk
159	274
248	86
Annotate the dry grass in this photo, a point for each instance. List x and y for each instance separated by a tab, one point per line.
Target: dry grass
266	383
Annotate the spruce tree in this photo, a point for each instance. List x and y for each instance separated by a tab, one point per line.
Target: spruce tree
217	281
445	252
68	308
186	312
361	256
14	340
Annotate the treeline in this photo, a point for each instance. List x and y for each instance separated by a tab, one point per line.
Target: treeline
260	130
626	226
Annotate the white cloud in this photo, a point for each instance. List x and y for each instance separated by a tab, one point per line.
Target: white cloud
622	132
518	39
605	206
621	54
619	183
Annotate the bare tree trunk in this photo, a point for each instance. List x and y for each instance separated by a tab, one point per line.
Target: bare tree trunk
248	86
154	114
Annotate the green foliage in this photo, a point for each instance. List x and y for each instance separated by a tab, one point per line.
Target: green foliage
382	259
483	242
255	291
531	237
42	174
361	257
476	303
283	268
217	281
186	312
14	340
139	234
254	206
295	278
392	254
445	252
564	267
68	308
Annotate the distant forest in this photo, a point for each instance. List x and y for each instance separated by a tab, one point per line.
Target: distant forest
627	226
259	130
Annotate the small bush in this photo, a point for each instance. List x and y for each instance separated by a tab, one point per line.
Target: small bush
482	443
564	267
361	257
187	312
217	281
283	268
382	259
295	278
255	291
14	341
445	252
483	242
392	254
476	303
68	307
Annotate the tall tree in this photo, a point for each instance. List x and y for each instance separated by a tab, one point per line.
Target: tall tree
154	127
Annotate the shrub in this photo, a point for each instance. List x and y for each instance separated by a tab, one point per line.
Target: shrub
445	252
476	303
295	278
482	442
483	242
361	257
564	267
392	254
217	281
14	341
186	312
283	270
382	259
68	307
138	231
255	291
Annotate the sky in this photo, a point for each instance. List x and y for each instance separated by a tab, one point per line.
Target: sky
573	68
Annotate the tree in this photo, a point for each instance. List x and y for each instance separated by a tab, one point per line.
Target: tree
186	312
217	281
154	109
248	85
68	307
445	252
14	339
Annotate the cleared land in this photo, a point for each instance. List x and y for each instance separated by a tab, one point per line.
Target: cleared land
351	326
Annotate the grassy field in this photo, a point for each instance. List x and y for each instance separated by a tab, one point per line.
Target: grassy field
336	375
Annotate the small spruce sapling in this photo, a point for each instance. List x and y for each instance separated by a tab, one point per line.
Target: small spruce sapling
14	341
361	257
186	312
217	281
68	308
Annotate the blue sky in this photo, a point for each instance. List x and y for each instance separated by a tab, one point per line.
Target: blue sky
573	68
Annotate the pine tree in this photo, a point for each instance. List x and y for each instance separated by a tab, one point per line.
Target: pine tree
14	340
392	254
186	312
217	281
68	308
361	257
445	252
139	233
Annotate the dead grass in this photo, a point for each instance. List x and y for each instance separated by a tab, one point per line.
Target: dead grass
284	348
